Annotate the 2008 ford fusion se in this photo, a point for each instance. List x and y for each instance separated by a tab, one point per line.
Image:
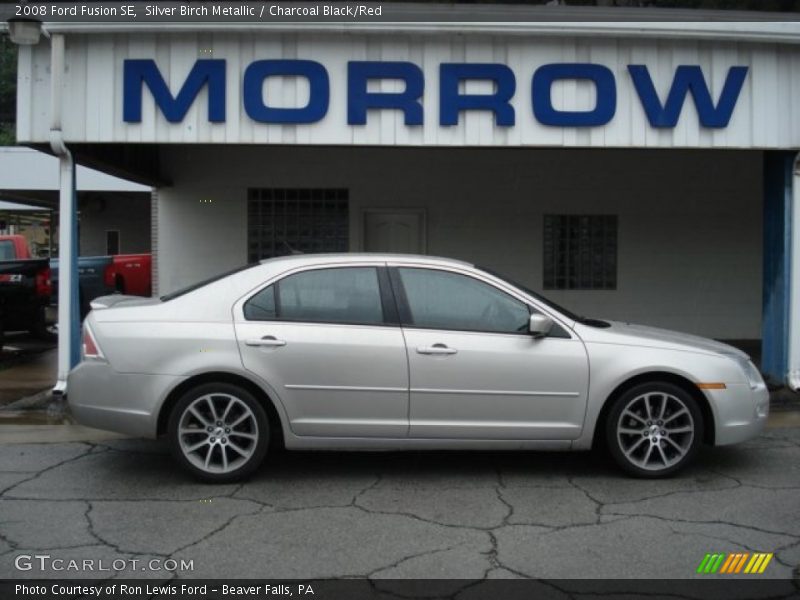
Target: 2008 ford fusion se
377	352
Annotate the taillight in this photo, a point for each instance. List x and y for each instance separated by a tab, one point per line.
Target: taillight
90	347
43	284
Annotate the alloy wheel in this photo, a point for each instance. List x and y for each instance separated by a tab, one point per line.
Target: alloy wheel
655	431
218	433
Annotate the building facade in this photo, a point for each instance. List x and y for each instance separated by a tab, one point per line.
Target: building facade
641	172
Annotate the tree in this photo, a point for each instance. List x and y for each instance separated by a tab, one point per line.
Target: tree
8	91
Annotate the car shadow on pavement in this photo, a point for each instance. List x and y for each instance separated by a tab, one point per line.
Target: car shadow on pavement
455	467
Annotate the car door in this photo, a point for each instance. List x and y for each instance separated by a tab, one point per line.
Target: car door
323	339
475	371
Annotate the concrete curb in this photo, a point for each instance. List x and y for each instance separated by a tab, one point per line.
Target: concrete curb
39	401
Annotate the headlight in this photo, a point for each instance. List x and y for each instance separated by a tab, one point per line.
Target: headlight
750	371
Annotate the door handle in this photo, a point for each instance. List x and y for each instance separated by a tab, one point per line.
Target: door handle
267	340
436	349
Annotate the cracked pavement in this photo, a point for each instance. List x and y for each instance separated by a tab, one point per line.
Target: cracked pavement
400	515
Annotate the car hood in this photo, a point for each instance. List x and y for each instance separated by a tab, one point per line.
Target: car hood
630	334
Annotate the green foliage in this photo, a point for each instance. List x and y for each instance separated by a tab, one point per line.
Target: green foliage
8	90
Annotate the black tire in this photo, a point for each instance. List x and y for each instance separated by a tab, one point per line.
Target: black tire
643	455
220	393
42	330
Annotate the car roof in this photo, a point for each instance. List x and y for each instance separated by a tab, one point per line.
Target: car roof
344	257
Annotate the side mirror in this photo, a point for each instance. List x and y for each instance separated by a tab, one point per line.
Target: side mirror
540	325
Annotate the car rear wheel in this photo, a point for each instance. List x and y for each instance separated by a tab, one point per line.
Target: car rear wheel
219	432
654	429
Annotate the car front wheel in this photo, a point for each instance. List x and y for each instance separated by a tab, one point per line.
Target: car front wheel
654	429
219	432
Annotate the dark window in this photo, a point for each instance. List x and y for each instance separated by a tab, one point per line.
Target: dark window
341	295
112	241
580	252
261	307
444	300
296	221
7	251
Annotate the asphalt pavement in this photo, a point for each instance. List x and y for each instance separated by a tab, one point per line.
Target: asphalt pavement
396	515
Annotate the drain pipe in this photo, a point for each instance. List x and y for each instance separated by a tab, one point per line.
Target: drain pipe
793	374
68	316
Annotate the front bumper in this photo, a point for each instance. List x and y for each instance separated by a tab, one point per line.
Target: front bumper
740	413
128	403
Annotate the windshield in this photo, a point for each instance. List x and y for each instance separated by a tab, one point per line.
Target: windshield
566	312
198	285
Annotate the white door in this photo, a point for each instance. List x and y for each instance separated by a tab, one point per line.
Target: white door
400	231
475	372
319	338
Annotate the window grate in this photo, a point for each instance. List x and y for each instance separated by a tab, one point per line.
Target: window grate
283	221
580	252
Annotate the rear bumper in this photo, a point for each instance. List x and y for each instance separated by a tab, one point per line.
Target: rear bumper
128	403
740	413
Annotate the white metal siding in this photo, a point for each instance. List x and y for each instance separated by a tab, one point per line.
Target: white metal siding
766	114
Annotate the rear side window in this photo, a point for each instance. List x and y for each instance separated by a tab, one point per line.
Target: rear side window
342	295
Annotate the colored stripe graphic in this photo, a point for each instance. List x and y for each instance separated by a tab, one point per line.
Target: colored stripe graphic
702	567
754	563
741	561
727	564
734	563
714	567
765	562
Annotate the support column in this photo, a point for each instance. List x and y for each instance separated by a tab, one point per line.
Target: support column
778	196
793	333
68	304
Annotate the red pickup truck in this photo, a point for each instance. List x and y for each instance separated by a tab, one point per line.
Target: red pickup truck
130	274
14	247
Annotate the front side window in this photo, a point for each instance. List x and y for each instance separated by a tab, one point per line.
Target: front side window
261	307
444	300
342	295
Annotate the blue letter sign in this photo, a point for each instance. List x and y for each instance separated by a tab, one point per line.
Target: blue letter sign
688	79
453	99
360	99
452	102
546	113
253	88
137	72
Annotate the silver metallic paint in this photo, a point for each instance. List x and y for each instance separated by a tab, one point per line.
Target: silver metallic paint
345	386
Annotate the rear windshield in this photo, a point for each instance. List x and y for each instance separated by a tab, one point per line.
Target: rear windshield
7	250
205	282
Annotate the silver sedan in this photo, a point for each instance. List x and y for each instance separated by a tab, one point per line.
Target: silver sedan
368	352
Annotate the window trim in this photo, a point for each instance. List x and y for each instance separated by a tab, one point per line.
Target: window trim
405	308
389	319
